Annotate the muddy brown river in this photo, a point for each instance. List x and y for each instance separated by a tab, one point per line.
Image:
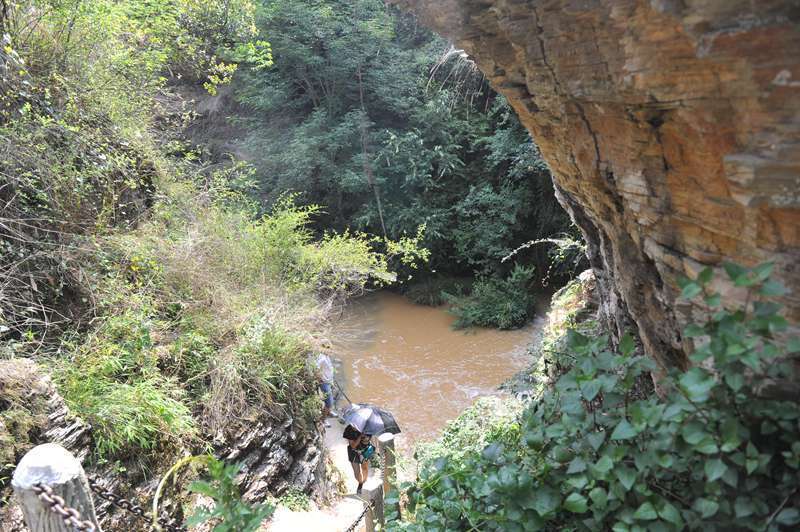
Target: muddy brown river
406	358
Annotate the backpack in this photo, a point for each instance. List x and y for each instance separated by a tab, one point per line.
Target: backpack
368	451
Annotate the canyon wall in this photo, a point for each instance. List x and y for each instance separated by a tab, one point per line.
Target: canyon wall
672	128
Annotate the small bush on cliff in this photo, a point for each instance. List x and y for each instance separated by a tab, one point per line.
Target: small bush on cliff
502	303
720	452
115	383
230	512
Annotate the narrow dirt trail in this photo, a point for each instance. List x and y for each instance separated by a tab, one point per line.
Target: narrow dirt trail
342	512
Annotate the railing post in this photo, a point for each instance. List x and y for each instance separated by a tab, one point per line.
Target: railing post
53	466
386	442
374	495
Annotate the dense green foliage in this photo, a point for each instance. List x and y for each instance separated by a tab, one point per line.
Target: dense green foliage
167	303
206	278
368	114
721	451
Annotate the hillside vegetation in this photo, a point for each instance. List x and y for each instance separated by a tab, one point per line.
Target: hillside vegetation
168	306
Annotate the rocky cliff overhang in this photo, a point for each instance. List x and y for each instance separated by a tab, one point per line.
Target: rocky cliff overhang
672	128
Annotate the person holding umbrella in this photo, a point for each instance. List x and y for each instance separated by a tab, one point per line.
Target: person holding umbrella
363	422
359	451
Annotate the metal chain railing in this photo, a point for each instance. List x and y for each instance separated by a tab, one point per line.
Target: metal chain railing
58	506
135	509
367	507
72	517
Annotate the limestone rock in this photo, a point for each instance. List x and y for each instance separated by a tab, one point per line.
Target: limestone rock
672	129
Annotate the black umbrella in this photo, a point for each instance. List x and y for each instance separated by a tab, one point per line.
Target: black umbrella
370	419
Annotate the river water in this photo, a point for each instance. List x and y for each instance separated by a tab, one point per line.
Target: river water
406	358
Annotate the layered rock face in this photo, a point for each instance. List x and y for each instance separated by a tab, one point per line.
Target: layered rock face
275	456
672	128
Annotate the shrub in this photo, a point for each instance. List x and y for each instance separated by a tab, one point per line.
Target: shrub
502	303
488	420
230	511
431	290
295	500
115	383
720	452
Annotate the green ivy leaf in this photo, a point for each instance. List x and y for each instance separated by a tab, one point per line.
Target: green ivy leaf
623	431
735	381
793	345
730	435
590	389
697	383
734	271
704	277
578	482
545	501
596	439
576	503
691	290
694	432
743	507
627	345
714	469
706	446
671	514
788	517
604	464
626	477
576	466
646	512
706	507
772	289
599	497
763	271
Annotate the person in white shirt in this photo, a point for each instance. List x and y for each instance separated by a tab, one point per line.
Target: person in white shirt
325	373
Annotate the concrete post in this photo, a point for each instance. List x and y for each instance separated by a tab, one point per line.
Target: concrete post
53	466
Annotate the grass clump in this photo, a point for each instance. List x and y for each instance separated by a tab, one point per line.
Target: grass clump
115	382
295	500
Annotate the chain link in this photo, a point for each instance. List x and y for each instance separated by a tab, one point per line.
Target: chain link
352	527
58	506
135	509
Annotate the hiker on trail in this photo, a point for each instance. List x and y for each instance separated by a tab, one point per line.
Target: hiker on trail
325	374
359	451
